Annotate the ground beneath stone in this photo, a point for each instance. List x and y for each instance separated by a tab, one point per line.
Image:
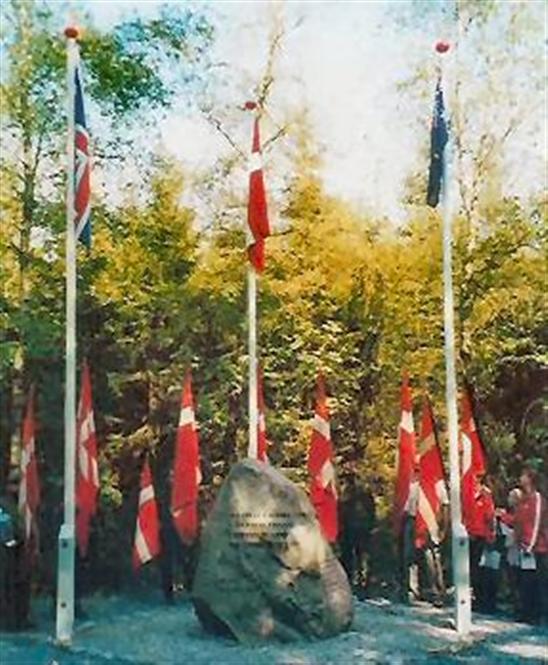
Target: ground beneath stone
122	630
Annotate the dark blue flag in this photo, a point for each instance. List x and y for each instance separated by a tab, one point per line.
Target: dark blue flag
439	137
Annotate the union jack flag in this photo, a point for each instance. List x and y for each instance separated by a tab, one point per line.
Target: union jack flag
82	207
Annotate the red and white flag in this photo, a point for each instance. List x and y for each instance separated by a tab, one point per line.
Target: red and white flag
29	488
473	460
406	454
257	213
87	473
186	469
432	487
147	530
262	441
323	491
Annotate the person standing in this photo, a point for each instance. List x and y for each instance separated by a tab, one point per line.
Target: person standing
531	533
481	530
409	582
14	560
505	519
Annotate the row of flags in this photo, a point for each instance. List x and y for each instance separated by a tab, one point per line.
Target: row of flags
420	460
418	457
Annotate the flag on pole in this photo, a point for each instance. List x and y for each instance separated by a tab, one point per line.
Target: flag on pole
439	137
82	202
406	454
257	213
262	441
323	492
29	488
186	469
473	459
147	529
87	474
432	487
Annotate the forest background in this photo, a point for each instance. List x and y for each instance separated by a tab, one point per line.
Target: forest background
353	283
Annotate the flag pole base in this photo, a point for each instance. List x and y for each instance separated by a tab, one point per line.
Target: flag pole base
461	577
65	586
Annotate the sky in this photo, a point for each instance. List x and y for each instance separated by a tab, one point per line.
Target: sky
343	61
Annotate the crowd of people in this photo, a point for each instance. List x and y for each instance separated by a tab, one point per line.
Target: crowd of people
508	551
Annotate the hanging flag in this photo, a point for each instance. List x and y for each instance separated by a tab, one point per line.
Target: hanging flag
262	441
439	137
82	202
186	469
432	486
257	214
29	488
87	474
147	529
406	454
323	492
473	460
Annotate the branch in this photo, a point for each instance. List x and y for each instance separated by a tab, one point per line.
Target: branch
219	127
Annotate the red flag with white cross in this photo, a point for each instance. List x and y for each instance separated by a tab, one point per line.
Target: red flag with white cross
186	469
146	544
323	491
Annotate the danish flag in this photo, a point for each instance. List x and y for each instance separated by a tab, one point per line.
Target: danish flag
406	453
82	199
29	488
87	476
323	492
473	460
262	441
186	469
257	213
432	487
147	530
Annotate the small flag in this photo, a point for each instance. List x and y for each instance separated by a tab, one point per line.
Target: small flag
147	530
439	137
29	488
186	469
262	441
432	487
87	475
323	492
82	198
257	214
406	454
473	460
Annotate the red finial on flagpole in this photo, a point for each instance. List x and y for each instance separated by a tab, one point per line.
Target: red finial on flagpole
442	47
72	32
250	106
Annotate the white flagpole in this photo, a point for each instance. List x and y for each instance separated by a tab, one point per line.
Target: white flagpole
252	451
459	541
66	545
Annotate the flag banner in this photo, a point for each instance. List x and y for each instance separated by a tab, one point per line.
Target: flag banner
438	141
406	454
262	441
187	475
29	488
87	471
432	486
147	530
257	214
323	492
82	193
473	460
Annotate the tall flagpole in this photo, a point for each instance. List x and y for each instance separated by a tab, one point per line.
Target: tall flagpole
66	544
252	452
459	540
